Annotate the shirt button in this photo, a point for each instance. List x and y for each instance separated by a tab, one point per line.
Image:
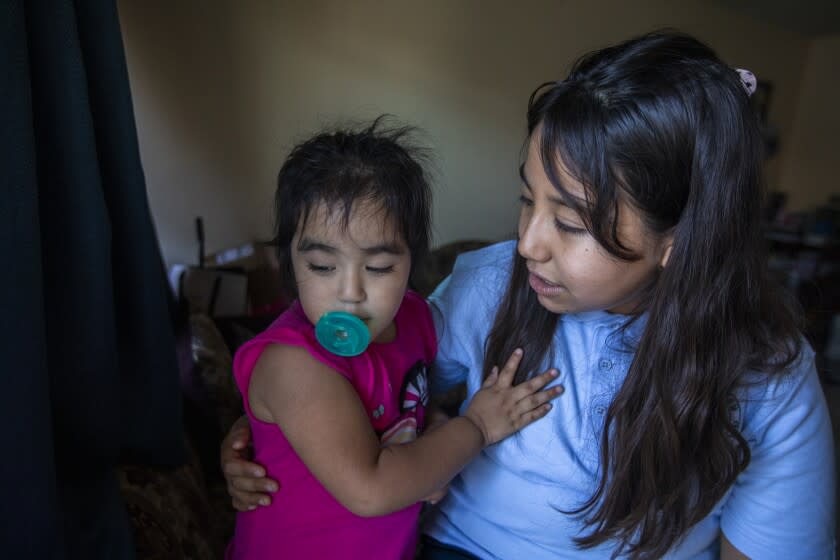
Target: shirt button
600	410
605	365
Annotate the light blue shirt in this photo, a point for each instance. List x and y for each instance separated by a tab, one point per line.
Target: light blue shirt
505	503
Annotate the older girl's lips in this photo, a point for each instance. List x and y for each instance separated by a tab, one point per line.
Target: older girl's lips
543	286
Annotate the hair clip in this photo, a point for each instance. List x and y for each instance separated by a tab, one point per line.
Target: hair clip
748	79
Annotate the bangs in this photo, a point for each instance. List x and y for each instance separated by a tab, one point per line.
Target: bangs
572	126
341	195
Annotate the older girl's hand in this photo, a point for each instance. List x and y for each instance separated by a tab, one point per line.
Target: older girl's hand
246	481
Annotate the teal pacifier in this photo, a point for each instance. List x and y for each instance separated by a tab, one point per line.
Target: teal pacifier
342	334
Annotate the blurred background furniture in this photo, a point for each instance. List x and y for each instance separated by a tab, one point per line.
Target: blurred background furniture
805	252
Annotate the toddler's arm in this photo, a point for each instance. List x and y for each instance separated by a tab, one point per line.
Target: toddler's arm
247	483
325	422
435	418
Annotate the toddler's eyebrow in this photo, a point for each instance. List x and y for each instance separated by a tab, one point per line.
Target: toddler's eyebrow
390	248
307	245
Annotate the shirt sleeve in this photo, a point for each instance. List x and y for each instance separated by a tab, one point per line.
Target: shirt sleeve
450	367
783	504
463	308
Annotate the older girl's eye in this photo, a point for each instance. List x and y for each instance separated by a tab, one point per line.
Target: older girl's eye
525	201
380	269
566	228
319	269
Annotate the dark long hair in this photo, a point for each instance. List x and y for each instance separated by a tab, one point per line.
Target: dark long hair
338	167
661	122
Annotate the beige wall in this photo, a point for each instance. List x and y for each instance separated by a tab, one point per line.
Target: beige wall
223	88
809	172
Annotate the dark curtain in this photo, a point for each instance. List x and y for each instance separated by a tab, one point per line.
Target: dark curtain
89	372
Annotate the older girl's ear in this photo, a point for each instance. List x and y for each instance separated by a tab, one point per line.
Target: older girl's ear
666	251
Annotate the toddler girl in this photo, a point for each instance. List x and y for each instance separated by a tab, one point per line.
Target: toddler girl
336	388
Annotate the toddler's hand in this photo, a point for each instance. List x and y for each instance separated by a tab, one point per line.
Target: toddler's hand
499	409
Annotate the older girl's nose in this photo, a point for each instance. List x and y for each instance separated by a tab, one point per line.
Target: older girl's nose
533	242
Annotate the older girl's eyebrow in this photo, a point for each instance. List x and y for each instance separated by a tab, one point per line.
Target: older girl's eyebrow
555	199
523	177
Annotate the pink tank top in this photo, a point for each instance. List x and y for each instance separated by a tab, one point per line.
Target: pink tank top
304	520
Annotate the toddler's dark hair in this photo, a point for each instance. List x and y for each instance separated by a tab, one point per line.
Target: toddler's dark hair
375	163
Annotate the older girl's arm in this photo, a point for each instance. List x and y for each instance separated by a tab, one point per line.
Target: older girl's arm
247	484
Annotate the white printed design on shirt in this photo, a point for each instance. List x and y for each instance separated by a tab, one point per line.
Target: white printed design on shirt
413	400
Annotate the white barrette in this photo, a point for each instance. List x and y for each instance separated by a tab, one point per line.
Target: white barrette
748	79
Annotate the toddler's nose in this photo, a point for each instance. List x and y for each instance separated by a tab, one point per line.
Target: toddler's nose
351	289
